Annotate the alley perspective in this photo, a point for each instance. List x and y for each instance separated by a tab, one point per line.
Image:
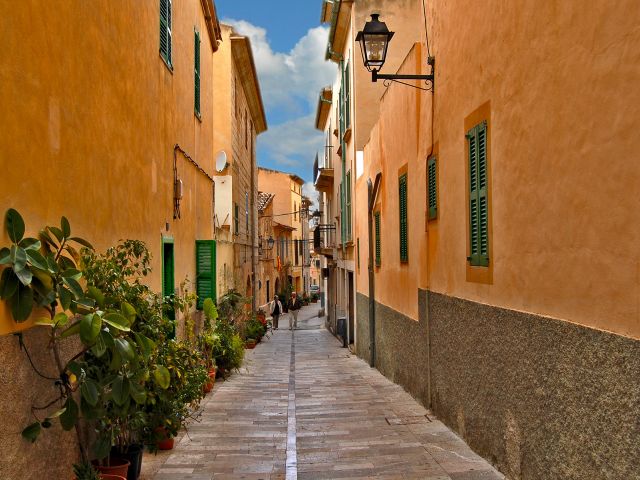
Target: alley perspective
320	239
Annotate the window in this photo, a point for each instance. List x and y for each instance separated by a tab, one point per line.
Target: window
347	98
347	202
196	76
165	31
236	218
376	219
296	245
295	209
404	241
205	271
168	276
478	196
246	209
431	189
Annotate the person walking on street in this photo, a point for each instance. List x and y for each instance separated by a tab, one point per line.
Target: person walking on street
294	306
275	309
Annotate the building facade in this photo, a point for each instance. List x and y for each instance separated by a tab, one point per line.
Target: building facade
505	260
239	119
71	89
346	113
287	224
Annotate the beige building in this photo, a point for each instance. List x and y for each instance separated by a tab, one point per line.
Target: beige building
505	232
287	224
238	120
268	274
346	113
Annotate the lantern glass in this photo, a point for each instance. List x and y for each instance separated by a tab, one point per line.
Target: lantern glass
374	40
270	242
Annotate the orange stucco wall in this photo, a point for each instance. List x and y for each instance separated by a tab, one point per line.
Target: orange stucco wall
557	82
90	116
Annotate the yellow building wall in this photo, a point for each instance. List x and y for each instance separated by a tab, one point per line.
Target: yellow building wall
556	83
91	116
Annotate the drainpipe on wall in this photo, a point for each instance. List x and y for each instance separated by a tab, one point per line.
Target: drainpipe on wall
372	193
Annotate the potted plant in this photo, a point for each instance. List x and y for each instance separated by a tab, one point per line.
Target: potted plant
86	471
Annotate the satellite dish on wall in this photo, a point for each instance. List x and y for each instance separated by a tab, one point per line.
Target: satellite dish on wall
221	161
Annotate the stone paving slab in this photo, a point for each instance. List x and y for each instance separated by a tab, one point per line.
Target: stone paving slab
302	407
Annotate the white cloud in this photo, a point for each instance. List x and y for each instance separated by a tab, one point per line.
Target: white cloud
294	142
287	79
309	191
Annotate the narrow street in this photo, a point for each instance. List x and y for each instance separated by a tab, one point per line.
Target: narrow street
303	407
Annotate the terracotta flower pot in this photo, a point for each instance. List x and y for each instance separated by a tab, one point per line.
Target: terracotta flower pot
106	476
165	442
117	467
250	344
212	380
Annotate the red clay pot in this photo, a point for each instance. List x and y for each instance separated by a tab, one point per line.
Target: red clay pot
117	467
250	344
165	442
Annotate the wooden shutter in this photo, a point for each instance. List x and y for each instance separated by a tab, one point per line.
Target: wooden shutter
205	271
165	30
347	98
236	218
196	77
349	233
376	217
404	241
478	196
431	187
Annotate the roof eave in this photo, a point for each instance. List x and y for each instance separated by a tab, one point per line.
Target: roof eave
242	52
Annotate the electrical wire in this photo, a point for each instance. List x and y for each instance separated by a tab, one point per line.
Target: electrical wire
426	32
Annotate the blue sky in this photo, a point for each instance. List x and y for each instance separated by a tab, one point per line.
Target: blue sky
288	46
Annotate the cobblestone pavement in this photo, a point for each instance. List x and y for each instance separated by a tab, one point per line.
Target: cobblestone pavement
304	408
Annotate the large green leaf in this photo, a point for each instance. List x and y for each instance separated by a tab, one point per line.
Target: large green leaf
31	432
100	347
57	232
72	330
65	227
70	416
162	376
116	361
89	412
97	295
60	319
18	257
74	287
72	273
30	243
128	312
36	259
15	225
8	283
65	297
90	326
5	256
138	393
120	390
125	349
147	346
89	390
45	282
117	321
82	242
25	276
21	303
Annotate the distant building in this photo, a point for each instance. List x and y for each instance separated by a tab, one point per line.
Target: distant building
239	119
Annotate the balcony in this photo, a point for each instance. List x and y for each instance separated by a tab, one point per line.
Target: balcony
324	240
323	172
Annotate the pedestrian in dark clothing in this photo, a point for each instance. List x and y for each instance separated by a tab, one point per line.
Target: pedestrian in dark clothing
276	311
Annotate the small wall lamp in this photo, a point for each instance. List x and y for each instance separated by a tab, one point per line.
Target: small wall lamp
374	41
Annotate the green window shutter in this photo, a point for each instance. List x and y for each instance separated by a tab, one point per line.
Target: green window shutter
165	30
478	196
347	98
376	217
205	271
404	240
432	189
348	207
196	68
168	277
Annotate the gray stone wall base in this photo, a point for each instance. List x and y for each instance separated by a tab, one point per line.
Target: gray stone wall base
539	398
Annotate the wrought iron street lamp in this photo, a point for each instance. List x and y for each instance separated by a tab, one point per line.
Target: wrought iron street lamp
374	41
